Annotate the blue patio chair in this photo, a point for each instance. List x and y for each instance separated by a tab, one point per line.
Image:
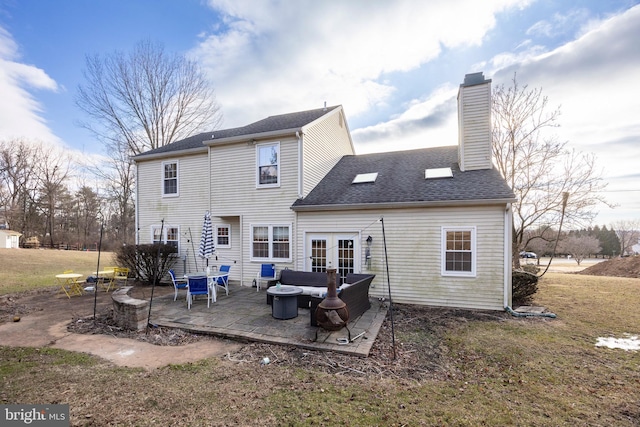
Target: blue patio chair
267	272
177	283
197	285
223	281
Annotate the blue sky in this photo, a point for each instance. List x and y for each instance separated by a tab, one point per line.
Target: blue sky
395	66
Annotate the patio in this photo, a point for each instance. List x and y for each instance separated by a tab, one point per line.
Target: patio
245	315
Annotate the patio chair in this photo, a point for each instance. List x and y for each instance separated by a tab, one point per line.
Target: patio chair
267	272
223	281
120	274
107	280
177	283
197	285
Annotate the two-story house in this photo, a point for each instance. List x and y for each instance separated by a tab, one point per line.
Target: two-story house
433	224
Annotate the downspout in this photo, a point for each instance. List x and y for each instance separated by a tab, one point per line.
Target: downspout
516	314
294	234
299	136
507	270
137	206
507	256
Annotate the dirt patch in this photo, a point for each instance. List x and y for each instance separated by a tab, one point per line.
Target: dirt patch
615	267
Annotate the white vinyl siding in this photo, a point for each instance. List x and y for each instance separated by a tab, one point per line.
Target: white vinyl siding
234	194
474	112
414	252
325	143
186	212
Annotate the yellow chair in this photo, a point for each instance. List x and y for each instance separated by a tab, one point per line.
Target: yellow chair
106	280
120	274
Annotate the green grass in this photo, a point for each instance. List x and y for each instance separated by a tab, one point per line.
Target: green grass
496	371
29	269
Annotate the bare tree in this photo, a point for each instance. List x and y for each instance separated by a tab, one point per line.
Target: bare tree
119	181
629	235
580	247
147	98
18	182
550	182
53	171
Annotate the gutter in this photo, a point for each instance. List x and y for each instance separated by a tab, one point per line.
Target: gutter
392	205
245	137
166	154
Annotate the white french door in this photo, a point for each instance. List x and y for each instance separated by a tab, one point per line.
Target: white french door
333	250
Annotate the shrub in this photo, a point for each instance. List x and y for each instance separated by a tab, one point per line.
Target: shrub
149	263
530	268
523	286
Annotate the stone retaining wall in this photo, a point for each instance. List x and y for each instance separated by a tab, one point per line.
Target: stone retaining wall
129	313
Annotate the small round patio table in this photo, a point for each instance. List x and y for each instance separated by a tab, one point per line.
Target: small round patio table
285	301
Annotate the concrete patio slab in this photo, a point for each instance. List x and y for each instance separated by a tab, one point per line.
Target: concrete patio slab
244	315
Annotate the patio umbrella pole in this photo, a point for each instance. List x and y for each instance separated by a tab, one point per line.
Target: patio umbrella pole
155	279
95	285
386	262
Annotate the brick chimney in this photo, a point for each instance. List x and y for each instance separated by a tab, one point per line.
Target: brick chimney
474	123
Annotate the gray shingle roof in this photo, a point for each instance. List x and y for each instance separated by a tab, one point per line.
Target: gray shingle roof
401	180
270	124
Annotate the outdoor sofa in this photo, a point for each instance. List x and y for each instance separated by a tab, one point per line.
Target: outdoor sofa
354	292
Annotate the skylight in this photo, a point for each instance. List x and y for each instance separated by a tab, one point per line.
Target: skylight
365	177
438	173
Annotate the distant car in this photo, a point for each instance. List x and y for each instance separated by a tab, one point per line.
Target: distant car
524	254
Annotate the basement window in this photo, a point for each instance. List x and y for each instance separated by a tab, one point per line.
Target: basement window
365	177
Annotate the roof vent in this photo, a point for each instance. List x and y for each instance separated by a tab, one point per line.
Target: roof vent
361	178
438	173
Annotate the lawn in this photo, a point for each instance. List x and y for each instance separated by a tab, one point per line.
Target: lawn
469	369
28	269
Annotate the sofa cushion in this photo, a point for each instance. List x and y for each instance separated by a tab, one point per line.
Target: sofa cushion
314	291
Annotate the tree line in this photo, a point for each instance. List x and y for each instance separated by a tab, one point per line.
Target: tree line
41	198
616	240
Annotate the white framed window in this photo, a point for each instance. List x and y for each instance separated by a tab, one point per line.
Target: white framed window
271	242
223	236
459	251
170	179
268	165
170	235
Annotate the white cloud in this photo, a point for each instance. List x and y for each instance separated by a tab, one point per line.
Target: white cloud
594	81
559	23
430	122
284	56
20	112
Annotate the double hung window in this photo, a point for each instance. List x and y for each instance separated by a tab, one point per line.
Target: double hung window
168	234
268	165
223	236
271	242
170	178
459	251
